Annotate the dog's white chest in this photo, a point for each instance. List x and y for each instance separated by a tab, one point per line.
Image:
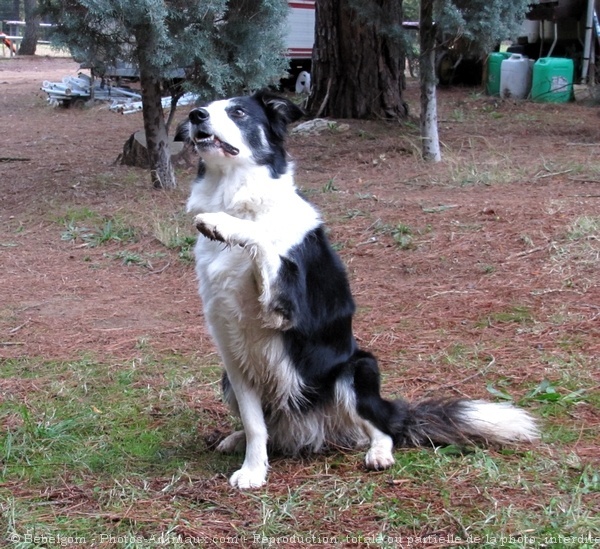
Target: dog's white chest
225	275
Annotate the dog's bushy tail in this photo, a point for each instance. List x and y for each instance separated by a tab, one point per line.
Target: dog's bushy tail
437	421
460	422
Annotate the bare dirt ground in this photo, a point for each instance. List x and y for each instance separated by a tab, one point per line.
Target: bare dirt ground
486	252
477	253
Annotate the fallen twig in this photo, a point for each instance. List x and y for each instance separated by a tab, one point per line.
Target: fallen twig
160	270
436	294
525	253
552	174
16	329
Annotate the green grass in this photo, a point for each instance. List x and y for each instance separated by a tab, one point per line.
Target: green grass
117	449
79	214
516	314
93	416
329	186
584	227
88	229
494	171
93	232
176	233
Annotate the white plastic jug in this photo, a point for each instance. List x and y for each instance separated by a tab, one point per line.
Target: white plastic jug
515	77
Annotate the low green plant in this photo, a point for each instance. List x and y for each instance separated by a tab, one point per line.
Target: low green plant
94	235
329	186
403	236
355	212
130	258
111	230
364	134
458	115
176	233
488	269
551	400
366	196
77	215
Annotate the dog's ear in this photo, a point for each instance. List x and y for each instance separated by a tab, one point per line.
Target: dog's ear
280	111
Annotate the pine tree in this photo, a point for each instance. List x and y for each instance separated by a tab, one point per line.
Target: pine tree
224	46
482	23
358	61
485	23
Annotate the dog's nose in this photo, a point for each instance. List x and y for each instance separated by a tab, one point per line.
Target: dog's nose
198	116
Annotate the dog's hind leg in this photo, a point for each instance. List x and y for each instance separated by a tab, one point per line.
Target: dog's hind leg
374	411
236	441
233	443
430	422
380	455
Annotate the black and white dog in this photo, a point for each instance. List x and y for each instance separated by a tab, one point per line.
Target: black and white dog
278	304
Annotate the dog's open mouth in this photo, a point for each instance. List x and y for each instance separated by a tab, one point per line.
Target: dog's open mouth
204	139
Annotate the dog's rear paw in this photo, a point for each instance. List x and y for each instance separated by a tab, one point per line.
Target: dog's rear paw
235	442
379	458
276	321
247	478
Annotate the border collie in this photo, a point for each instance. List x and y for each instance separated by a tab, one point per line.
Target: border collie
278	304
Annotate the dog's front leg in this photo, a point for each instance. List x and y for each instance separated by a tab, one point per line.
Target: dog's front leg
266	260
253	473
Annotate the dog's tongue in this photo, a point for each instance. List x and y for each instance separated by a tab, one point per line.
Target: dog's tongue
229	149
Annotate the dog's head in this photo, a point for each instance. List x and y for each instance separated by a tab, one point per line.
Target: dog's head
244	129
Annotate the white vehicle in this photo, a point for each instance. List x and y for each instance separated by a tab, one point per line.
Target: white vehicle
301	31
300	39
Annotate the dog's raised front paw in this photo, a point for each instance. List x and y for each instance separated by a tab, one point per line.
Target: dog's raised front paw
247	478
235	442
379	458
208	228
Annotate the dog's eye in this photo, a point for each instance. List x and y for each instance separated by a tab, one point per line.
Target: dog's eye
238	112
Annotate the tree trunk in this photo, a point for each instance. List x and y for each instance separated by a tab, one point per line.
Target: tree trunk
159	156
429	121
32	27
357	68
15	13
135	152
